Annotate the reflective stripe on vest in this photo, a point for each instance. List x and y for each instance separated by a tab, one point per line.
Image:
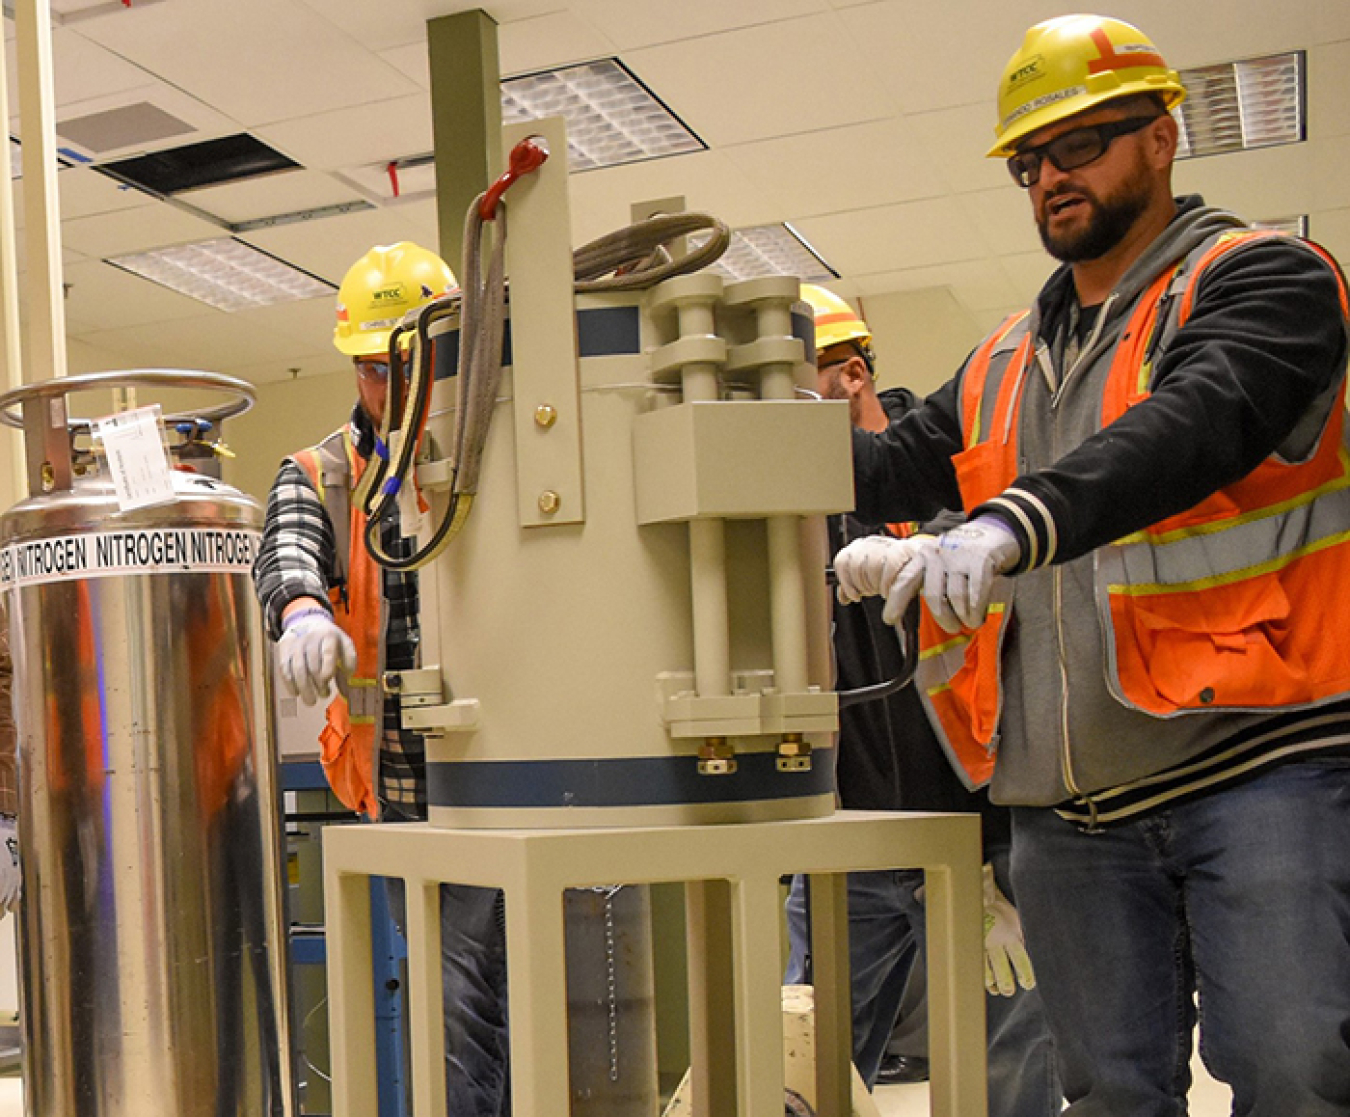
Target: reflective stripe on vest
1214	608
347	741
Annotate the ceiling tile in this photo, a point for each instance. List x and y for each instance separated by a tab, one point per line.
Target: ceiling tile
851	167
1258	185
1027	272
951	59
1331	21
381	26
1328	172
1224	30
929	327
546	41
954	141
708	181
298	64
780	87
85	192
642	23
290	191
1331	229
975	285
1329	89
989	320
135	230
329	246
356	135
80	69
212	342
1003	219
102	297
915	234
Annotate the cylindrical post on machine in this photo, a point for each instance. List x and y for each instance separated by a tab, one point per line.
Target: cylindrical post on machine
787	580
707	538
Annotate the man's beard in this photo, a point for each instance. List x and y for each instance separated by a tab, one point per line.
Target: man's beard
1107	224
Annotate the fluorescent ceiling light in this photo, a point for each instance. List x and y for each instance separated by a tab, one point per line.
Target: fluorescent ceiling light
1296	225
1240	105
227	274
611	116
769	250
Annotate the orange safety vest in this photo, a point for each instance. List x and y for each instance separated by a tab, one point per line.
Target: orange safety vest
1215	608
347	741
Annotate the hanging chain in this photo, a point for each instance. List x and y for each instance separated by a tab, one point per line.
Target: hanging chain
611	984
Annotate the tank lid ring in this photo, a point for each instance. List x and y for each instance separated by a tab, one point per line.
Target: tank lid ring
62	386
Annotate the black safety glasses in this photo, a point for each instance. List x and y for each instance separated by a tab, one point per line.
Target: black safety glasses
1073	149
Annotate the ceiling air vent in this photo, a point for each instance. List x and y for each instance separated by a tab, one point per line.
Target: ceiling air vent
229	159
129	126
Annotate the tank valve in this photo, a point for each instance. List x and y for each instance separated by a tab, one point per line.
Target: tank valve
716	757
794	754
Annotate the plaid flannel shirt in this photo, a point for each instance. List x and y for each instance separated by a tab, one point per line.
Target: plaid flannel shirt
298	558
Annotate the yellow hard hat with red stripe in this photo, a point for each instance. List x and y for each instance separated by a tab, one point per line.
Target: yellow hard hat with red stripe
1074	63
836	321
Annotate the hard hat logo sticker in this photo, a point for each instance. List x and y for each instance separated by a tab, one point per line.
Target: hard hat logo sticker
392	293
1032	69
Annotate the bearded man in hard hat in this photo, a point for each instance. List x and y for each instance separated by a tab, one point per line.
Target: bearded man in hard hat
889	759
1142	627
334	612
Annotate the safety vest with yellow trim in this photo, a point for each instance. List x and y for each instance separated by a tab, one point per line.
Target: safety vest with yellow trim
347	743
1215	608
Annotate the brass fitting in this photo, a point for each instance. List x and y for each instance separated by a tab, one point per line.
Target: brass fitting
794	753
716	757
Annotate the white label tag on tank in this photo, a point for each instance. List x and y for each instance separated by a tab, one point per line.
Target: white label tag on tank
135	452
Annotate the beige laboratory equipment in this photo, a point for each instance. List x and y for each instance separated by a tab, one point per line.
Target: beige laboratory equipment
626	676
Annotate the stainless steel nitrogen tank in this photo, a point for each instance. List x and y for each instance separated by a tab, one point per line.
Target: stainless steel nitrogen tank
152	933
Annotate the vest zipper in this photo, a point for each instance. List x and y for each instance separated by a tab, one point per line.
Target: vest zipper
1066	758
1084	355
1087	350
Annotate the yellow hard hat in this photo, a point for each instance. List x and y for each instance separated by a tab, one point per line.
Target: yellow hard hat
1074	63
380	288
836	321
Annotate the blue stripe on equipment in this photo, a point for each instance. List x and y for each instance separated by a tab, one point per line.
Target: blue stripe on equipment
622	782
601	332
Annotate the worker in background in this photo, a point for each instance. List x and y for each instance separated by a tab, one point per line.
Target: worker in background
339	618
889	759
1143	619
11	882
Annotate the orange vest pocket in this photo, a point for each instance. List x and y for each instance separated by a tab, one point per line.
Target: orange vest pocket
346	764
1224	646
983	472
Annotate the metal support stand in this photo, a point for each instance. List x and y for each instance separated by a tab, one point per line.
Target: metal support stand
732	874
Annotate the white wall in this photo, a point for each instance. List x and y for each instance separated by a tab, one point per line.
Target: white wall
288	416
920	337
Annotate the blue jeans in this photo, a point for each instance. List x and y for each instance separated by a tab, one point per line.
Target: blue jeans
882	947
1242	896
473	979
887	939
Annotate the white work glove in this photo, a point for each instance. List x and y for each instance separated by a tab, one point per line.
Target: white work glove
1006	963
11	881
311	651
959	570
871	567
